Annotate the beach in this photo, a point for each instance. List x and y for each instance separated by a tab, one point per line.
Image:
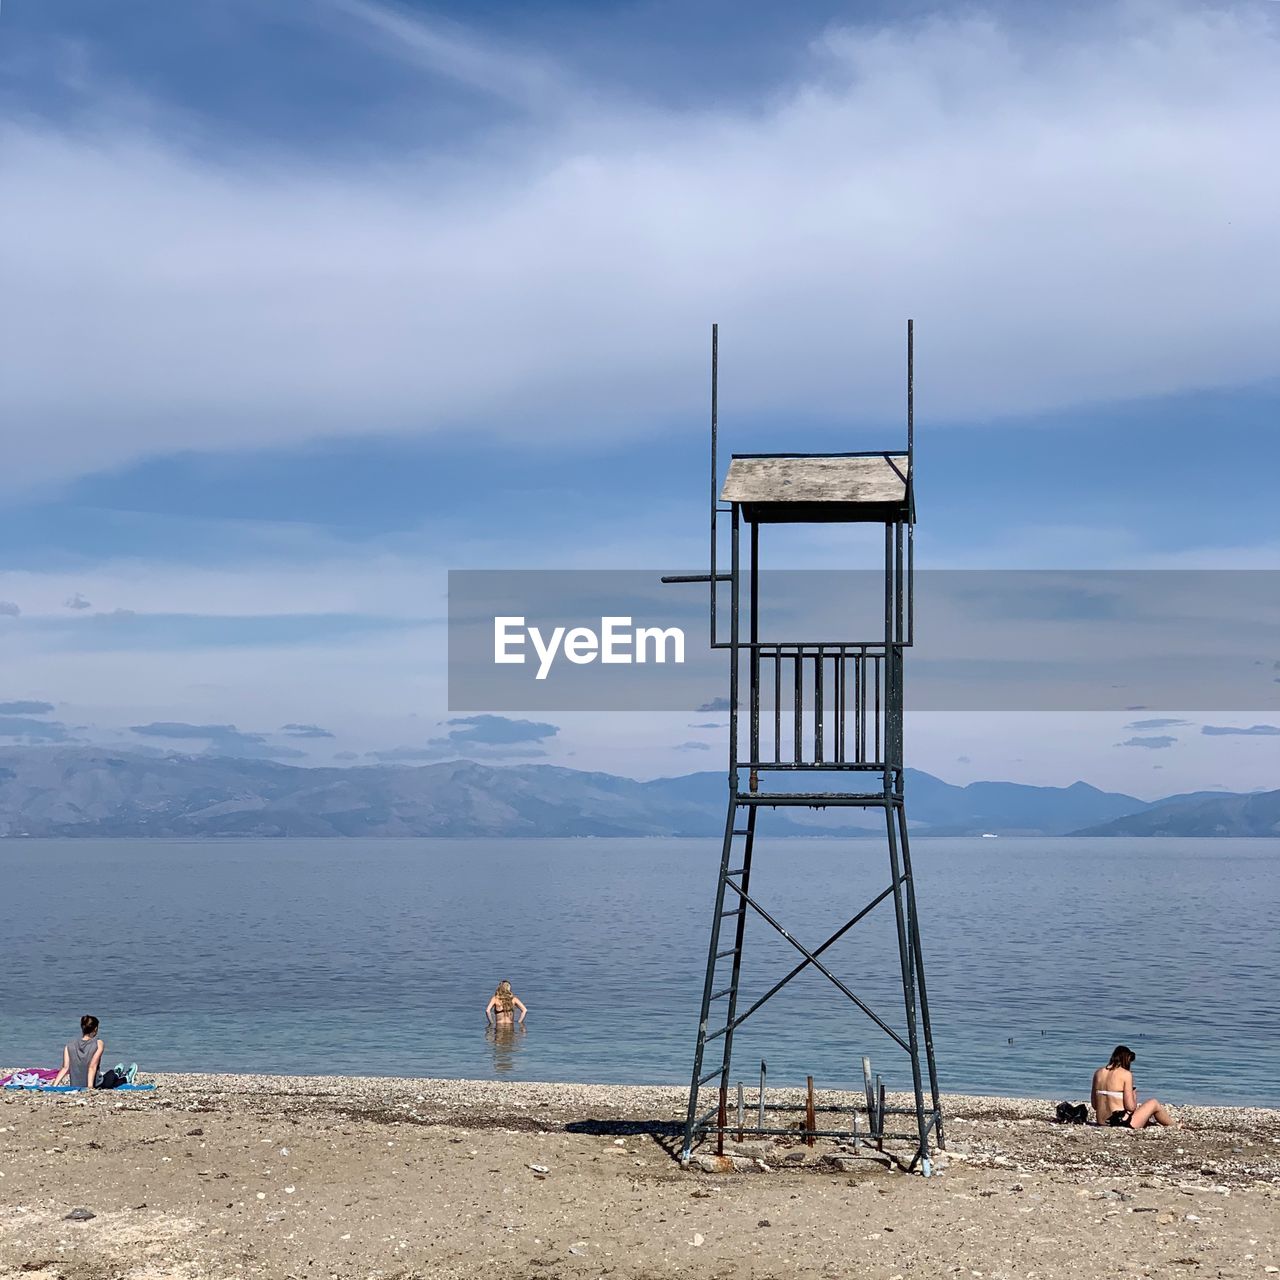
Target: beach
281	1176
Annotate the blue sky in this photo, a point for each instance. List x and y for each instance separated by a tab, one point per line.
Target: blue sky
308	303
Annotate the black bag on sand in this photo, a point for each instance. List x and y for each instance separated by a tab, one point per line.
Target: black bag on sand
1072	1113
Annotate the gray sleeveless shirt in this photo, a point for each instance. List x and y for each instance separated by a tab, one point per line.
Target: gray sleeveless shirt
79	1054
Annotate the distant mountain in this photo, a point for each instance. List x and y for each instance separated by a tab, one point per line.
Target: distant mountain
1217	815
1010	808
68	791
79	791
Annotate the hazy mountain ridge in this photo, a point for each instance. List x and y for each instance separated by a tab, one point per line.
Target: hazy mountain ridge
76	791
1219	815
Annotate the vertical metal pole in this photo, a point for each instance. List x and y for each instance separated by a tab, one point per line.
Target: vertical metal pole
871	1099
754	661
860	707
838	694
735	582
819	695
899	627
899	708
879	1113
887	752
742	1104
810	1114
911	391
798	709
763	1070
911	480
777	706
911	584
715	487
877	667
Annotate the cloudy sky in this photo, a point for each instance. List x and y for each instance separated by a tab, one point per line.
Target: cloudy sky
308	301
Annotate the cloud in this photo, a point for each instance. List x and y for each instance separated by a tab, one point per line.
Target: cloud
305	731
25	708
1253	731
222	740
448	49
177	729
347	755
443	749
33	730
9	610
1158	723
694	746
406	755
709	725
959	168
716	704
481	737
498	730
77	602
1151	744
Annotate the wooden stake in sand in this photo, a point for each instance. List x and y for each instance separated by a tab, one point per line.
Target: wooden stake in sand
810	1114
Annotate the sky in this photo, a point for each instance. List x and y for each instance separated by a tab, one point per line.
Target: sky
308	302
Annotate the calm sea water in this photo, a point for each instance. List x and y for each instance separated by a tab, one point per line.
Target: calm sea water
366	956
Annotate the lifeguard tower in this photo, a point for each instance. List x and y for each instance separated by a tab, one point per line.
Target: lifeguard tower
823	729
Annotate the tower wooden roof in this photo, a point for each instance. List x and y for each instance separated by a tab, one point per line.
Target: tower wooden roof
803	488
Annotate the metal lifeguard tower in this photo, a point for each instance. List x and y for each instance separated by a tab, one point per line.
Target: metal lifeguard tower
825	718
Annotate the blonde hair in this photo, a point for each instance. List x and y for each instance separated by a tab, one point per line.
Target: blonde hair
504	996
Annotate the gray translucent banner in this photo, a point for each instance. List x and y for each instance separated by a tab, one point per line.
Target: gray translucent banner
985	640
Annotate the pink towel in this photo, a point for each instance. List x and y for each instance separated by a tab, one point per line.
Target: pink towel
42	1074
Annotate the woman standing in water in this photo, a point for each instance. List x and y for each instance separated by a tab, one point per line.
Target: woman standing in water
1115	1100
502	1006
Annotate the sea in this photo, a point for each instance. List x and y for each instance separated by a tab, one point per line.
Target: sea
377	957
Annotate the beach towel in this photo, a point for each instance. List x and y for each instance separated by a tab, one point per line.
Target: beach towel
71	1088
30	1076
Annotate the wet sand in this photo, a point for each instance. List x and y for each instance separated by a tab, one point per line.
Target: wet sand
237	1176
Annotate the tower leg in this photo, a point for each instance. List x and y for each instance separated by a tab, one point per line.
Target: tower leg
906	957
713	955
744	880
918	956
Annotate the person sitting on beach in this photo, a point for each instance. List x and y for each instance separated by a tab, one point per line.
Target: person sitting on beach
80	1058
1115	1101
502	1006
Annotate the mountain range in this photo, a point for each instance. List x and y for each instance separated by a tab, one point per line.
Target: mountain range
83	791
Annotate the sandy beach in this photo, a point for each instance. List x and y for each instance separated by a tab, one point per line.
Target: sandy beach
234	1176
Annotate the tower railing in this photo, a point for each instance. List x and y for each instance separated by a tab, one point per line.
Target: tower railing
822	707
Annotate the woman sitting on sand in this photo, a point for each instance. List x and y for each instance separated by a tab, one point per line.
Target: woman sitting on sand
502	1006
1116	1102
80	1058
